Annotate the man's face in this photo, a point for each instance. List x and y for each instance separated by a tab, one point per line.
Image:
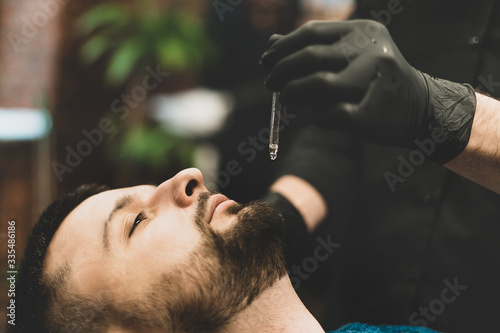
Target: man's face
176	251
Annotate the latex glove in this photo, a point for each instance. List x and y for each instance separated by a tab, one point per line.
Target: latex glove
353	77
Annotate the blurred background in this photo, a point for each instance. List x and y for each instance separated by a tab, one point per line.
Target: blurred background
131	92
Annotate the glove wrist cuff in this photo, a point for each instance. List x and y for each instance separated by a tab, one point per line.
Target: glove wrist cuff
448	125
297	238
288	211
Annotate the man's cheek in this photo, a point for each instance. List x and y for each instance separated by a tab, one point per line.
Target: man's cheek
88	274
172	243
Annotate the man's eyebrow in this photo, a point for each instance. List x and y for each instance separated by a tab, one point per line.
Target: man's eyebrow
120	204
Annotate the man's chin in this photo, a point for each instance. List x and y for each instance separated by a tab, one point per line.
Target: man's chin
256	233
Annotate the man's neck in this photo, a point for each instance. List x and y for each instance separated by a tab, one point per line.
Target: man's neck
277	309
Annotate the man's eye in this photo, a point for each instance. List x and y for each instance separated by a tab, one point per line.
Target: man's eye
138	219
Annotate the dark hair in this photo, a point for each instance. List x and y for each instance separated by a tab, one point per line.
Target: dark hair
32	293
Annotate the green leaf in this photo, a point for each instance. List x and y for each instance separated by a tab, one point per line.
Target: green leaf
123	61
102	15
173	54
94	48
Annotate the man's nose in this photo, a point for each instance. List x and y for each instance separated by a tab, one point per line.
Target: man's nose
183	188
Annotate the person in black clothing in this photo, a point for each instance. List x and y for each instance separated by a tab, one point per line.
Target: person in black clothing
413	227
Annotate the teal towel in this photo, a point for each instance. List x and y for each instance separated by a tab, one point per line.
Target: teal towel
363	328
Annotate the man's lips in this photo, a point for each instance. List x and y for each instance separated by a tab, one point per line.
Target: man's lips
217	204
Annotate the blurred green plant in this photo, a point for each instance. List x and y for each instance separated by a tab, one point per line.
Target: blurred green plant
151	149
137	34
131	36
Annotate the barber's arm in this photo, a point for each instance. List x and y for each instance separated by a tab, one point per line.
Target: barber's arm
480	160
353	77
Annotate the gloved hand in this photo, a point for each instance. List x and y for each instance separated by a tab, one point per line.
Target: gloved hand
353	77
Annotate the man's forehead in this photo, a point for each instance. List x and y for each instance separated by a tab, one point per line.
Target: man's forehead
100	203
103	202
83	227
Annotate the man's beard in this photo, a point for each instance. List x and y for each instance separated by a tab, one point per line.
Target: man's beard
225	273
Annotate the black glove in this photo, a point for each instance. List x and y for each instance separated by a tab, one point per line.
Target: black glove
354	77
